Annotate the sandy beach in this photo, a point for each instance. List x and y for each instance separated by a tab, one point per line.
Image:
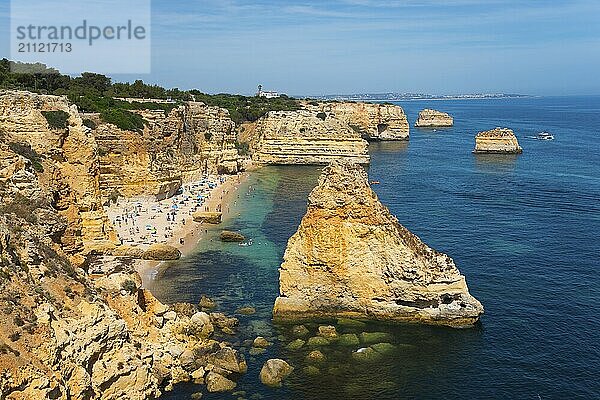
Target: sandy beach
143	221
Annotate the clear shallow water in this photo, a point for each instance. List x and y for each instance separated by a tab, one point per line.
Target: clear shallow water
524	231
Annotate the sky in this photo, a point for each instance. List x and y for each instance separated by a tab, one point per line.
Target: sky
304	47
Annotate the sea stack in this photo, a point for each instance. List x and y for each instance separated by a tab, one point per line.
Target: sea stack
497	141
352	258
434	119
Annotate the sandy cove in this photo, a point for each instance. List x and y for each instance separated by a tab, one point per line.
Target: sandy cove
143	221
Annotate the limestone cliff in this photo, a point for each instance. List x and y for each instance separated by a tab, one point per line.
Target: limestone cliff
192	140
350	257
372	121
497	141
66	158
306	137
65	336
432	119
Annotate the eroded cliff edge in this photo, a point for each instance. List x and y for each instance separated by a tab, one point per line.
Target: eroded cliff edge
351	258
64	335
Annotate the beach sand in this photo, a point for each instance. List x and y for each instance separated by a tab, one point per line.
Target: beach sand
143	221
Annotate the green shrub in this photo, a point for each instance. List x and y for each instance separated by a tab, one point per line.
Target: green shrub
129	286
242	148
56	119
89	123
123	119
322	116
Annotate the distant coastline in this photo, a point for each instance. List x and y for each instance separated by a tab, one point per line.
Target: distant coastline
419	96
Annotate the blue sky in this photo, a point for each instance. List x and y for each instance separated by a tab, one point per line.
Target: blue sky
347	46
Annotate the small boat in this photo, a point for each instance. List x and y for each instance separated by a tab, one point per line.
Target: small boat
375	182
545	136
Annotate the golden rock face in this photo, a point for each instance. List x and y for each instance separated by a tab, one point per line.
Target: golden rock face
372	121
431	119
351	258
497	141
306	137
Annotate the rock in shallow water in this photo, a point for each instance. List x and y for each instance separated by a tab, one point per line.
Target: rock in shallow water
274	371
351	258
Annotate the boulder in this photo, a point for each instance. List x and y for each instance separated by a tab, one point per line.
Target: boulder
261	342
206	303
315	356
229	236
218	383
274	371
161	252
328	332
213	218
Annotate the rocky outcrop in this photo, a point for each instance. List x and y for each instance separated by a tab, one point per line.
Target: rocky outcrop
351	258
306	137
63	160
371	121
497	141
434	119
176	147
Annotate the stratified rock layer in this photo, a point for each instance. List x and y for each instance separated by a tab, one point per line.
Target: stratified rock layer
174	148
497	141
306	137
372	121
67	161
351	258
434	119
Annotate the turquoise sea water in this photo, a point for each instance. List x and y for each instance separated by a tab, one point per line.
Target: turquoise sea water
522	229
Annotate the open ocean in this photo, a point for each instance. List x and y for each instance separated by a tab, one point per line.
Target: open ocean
522	229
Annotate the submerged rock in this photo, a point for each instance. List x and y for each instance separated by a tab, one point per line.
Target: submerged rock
497	141
315	356
351	258
375	337
317	341
246	310
433	119
300	331
274	371
295	345
348	339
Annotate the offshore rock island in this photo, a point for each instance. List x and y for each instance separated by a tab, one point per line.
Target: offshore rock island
497	141
434	119
351	258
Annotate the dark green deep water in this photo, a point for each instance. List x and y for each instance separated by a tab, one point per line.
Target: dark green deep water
523	229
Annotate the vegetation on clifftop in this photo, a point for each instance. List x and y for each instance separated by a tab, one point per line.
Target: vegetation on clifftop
96	93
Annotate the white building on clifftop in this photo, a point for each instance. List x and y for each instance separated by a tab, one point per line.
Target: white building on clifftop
266	94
